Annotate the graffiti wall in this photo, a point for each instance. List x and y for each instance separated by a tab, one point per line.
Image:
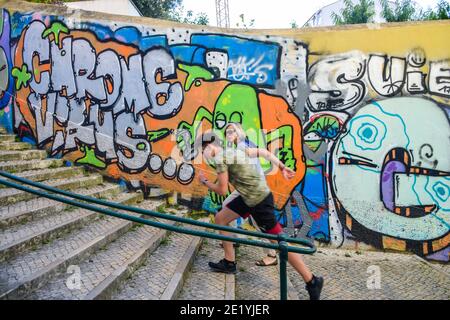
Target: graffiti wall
365	128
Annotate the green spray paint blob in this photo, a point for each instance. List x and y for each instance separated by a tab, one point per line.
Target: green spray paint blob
141	146
90	158
22	76
56	28
194	74
153	136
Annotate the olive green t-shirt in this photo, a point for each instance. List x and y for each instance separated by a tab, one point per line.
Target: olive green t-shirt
243	175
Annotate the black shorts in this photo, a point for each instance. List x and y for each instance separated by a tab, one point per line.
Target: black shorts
263	213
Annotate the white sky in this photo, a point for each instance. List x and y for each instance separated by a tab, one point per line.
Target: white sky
269	13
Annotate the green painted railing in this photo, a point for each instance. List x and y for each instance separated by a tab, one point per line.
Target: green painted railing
282	245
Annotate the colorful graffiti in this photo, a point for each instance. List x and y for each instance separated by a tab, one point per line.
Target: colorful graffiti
6	83
135	112
366	132
392	179
373	121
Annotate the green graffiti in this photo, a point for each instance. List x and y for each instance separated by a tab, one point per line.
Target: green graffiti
153	136
313	145
141	146
311	163
285	153
325	126
56	28
90	158
322	128
194	74
239	104
22	76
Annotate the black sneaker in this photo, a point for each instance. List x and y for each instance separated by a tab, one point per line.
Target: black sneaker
223	266
314	288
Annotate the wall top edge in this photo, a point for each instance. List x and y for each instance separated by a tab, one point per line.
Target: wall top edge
23	6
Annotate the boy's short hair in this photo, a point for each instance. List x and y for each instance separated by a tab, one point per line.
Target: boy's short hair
208	138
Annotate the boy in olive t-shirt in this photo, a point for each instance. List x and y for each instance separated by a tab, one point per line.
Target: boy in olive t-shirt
255	199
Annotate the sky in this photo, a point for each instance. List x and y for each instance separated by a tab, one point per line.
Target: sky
269	13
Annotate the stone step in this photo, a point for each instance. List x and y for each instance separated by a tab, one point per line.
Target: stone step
33	269
26	211
15	146
25	165
7	137
137	263
21	238
101	271
3	130
258	283
163	273
10	196
51	173
47	174
202	283
22	155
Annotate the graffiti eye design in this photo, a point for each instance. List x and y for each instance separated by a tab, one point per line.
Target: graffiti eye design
439	191
236	117
220	121
368	132
442	191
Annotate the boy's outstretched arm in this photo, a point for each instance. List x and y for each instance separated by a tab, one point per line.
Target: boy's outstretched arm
269	156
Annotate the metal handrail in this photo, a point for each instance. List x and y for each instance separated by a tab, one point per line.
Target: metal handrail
151	213
282	245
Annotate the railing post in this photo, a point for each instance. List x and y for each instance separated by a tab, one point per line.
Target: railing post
283	266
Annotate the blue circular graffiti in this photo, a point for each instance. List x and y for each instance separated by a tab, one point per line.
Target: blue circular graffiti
367	132
442	191
439	191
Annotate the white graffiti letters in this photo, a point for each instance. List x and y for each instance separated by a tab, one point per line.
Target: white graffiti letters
97	97
36	51
341	82
78	71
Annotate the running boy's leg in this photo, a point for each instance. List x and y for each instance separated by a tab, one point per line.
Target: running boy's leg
296	261
271	255
263	213
228	199
223	218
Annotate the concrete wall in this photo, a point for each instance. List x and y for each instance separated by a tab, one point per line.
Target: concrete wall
360	113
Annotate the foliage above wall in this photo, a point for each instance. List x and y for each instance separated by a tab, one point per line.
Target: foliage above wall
363	11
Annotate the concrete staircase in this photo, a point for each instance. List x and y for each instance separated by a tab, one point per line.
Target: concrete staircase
49	250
